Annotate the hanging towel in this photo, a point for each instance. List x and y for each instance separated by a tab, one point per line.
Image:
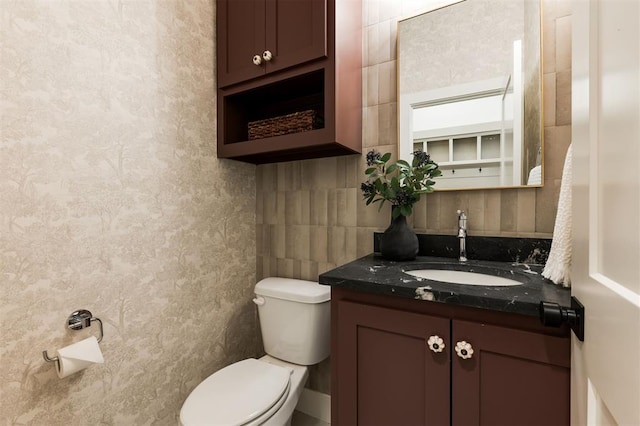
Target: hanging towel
558	266
535	176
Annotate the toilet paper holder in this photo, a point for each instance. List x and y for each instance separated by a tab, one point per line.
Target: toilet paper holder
77	321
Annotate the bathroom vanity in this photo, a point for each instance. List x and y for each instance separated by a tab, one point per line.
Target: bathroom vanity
411	351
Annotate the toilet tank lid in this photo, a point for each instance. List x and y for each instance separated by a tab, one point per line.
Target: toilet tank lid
294	290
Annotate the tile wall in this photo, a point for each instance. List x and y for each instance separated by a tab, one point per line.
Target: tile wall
310	214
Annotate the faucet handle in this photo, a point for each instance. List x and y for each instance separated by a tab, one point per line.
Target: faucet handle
462	219
462	235
462	224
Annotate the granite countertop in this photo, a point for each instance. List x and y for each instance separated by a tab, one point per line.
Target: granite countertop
373	274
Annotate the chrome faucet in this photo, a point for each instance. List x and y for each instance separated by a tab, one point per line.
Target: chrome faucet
462	235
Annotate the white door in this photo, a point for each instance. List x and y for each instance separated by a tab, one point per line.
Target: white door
606	211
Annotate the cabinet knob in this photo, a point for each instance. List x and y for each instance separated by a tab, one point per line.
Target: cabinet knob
464	350
266	55
257	60
435	343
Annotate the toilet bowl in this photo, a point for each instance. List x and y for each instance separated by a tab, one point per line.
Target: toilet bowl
294	320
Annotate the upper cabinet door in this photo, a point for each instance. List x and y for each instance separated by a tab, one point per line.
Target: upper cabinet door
255	37
296	32
240	36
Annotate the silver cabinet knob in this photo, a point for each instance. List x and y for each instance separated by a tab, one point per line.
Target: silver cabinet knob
257	60
266	55
464	350
435	343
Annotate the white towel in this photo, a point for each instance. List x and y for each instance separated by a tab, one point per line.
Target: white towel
558	266
535	176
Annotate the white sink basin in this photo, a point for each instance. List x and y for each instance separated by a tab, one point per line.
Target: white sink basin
462	277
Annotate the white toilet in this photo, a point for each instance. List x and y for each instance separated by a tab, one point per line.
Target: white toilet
294	318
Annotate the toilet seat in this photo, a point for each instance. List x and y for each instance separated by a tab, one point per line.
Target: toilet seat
245	393
271	411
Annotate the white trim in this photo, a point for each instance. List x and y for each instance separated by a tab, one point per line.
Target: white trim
315	404
410	101
457	92
429	6
518	114
622	291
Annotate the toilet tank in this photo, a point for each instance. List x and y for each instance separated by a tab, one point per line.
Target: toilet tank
294	319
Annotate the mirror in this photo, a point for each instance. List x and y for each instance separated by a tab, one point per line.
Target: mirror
470	92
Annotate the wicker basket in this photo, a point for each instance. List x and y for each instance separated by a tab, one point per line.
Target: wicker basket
297	122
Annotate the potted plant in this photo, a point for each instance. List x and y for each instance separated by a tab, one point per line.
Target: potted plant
401	184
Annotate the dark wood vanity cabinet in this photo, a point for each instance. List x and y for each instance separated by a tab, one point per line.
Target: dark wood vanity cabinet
385	370
291	32
387	376
315	67
514	377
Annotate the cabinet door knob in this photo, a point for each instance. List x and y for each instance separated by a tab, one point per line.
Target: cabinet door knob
266	55
464	350
257	60
435	343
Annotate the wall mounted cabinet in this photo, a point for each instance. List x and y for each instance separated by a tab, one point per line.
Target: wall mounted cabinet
276	58
394	361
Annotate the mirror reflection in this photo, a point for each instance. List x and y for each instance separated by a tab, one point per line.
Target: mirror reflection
469	85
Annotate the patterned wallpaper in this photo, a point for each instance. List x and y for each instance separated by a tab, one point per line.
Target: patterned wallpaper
113	200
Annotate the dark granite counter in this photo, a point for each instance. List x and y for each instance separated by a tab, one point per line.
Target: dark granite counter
373	274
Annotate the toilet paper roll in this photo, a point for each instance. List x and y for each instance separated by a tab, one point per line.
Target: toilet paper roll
78	356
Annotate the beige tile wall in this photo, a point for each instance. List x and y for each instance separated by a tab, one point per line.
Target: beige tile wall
310	214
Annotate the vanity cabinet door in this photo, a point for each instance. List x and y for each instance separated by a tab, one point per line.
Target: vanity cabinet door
388	371
508	376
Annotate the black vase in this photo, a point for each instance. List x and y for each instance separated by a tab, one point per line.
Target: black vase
399	242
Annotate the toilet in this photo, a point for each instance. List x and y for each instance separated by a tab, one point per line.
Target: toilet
294	320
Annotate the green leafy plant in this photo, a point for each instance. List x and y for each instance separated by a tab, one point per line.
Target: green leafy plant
400	183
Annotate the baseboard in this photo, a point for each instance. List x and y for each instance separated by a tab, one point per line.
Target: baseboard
315	404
